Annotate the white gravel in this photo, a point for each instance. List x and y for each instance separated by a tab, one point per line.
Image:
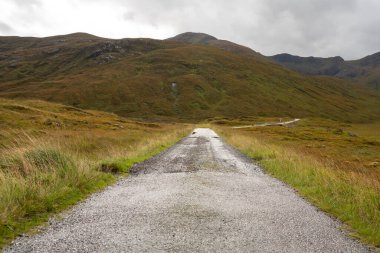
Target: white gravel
201	195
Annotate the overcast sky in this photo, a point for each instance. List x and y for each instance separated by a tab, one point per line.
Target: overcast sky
349	28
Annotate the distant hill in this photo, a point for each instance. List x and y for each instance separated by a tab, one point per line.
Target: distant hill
193	38
365	71
172	79
205	39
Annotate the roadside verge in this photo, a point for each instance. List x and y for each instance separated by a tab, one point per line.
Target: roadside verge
350	197
45	176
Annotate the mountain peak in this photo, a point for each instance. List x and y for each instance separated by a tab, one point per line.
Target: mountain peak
193	38
206	39
372	60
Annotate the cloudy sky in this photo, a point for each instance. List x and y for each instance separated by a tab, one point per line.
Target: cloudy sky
350	28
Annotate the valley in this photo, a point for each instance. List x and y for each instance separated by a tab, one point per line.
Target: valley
79	113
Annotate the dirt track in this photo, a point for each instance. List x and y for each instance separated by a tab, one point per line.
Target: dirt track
200	195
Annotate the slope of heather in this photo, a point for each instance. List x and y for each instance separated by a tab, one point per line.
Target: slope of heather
153	79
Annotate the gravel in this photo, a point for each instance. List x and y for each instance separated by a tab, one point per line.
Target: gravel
200	195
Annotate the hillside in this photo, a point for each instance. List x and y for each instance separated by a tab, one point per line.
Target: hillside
365	71
162	80
35	118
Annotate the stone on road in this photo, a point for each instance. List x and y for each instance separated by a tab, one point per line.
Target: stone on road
200	195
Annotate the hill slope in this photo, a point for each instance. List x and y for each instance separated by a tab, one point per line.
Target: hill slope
34	115
155	79
365	71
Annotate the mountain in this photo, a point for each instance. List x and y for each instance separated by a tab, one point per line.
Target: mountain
365	71
171	79
193	38
311	65
205	39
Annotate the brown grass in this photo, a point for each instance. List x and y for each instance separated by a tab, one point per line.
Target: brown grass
51	156
326	162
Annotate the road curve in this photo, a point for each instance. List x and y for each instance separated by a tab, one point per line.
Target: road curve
200	195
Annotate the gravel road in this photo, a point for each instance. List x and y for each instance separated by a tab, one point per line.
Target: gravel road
200	195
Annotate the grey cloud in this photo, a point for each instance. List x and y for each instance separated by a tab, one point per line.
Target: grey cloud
27	3
308	27
349	28
5	28
129	15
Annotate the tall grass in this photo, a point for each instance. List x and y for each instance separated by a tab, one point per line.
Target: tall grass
351	197
44	176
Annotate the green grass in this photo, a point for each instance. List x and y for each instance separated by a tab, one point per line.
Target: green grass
122	165
351	196
46	168
38	182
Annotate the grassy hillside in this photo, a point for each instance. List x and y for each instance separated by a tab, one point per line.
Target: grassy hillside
365	71
52	156
154	80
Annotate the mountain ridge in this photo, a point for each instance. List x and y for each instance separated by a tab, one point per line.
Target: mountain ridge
134	78
364	71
